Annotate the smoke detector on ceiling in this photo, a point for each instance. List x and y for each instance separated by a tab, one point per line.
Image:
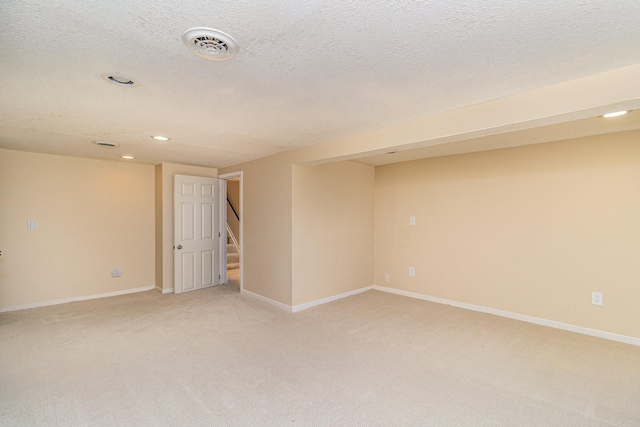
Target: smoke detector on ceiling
210	43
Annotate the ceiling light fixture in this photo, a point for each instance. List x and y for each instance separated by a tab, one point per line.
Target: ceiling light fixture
209	43
128	157
615	114
119	80
160	138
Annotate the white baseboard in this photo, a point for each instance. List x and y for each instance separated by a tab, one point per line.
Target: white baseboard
164	291
73	299
307	305
304	306
267	300
530	319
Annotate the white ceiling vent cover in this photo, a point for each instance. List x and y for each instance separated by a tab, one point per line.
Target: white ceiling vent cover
210	43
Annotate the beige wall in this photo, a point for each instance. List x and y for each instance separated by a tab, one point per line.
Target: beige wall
332	230
531	230
159	228
290	214
164	222
233	192
93	215
266	222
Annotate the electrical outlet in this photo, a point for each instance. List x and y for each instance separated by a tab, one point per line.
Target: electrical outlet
596	298
412	271
412	220
386	277
116	272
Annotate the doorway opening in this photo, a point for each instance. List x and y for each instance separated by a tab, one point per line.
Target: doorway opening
232	183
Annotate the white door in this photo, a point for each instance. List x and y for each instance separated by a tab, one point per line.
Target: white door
196	233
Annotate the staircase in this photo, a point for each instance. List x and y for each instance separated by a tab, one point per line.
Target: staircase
233	228
233	257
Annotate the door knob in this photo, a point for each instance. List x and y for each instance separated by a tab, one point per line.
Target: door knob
179	247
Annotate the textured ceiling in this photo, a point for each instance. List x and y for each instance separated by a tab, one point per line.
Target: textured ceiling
306	72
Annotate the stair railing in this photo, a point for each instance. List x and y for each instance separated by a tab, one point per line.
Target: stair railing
233	209
233	238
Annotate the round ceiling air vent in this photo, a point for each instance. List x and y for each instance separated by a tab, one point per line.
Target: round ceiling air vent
210	43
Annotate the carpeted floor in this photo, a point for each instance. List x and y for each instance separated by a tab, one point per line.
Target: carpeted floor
233	276
213	357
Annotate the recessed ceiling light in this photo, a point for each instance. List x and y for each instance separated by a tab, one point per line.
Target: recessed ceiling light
119	80
106	144
616	114
160	137
128	157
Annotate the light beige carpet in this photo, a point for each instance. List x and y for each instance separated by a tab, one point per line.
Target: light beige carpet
212	357
233	276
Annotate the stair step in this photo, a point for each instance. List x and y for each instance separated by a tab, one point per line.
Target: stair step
231	249
231	258
233	266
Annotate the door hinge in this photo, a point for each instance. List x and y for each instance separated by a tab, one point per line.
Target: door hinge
219	235
219	277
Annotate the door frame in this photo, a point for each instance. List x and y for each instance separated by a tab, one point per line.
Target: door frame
223	218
